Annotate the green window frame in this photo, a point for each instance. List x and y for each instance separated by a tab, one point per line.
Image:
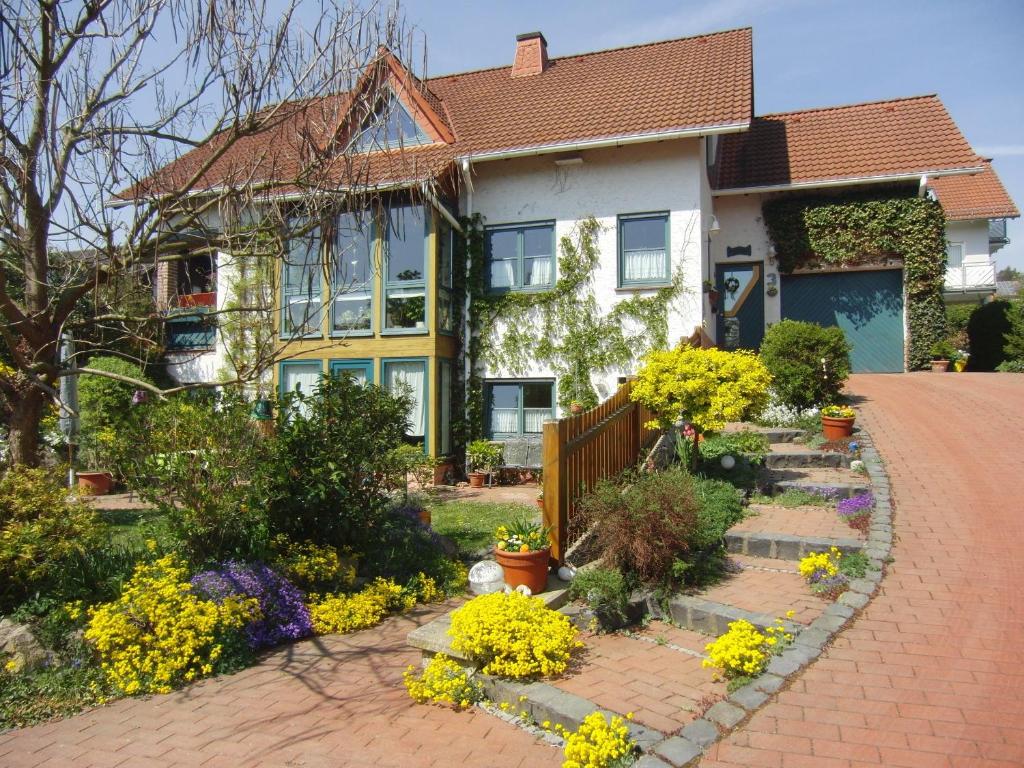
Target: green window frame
388	366
639	264
405	298
521	257
444	421
445	277
301	293
362	366
351	294
503	414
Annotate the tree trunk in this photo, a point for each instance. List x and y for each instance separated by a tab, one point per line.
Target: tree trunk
23	437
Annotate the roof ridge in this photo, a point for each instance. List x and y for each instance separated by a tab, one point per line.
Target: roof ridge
648	44
837	107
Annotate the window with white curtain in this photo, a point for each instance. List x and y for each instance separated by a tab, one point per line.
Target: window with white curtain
519	409
409	377
643	249
301	298
302	377
521	257
445	422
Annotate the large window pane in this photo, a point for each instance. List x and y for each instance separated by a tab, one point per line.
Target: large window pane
504	408
643	244
301	283
520	257
406	308
301	377
537	406
409	378
405	244
352	312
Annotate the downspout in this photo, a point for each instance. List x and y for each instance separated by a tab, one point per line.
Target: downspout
922	187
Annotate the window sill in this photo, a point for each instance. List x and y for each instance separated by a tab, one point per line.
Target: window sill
301	337
534	289
405	332
350	334
642	286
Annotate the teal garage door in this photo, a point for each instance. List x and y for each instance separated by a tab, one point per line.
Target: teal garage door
868	306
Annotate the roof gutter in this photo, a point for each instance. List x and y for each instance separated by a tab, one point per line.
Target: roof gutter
845	182
614	141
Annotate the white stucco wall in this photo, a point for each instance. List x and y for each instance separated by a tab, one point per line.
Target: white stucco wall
974	236
741	224
640	178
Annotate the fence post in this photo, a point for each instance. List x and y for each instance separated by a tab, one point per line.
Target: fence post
556	513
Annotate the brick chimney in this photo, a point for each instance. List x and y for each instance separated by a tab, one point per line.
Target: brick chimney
531	55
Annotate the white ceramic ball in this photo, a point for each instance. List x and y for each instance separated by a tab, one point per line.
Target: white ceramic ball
728	462
566	573
486	577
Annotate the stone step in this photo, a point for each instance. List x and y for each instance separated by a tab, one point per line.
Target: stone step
795	456
784	546
824	489
712	618
773	434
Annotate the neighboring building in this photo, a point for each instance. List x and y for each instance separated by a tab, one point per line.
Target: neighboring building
659	143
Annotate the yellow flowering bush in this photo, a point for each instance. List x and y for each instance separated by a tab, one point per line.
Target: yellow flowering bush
158	634
341	613
744	651
513	635
709	387
598	743
308	564
826	563
443	681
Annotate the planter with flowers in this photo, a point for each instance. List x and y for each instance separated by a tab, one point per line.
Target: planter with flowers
482	457
523	550
837	421
943	353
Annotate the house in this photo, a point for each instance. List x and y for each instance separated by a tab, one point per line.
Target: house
658	149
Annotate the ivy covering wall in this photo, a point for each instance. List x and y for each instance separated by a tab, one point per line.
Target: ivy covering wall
563	327
864	228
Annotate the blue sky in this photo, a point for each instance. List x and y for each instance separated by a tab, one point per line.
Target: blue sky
807	53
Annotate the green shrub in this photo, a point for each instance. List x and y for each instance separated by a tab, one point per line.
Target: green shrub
957	318
42	534
104	407
747	443
1013	346
720	509
328	481
944	350
1011	366
793	352
607	591
986	330
203	463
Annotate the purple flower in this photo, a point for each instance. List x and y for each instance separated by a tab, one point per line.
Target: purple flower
284	615
855	506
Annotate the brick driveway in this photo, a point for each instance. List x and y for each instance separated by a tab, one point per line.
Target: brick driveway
931	673
332	701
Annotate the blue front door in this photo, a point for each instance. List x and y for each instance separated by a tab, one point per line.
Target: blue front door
740	306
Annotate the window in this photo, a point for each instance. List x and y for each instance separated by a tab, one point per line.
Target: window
954	255
390	125
302	376
352	288
519	408
191	331
445	420
410	377
521	258
405	292
643	249
445	301
360	370
302	300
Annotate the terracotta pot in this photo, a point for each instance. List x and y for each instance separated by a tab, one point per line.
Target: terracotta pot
836	429
425	517
529	568
940	366
575	408
95	483
476	479
540	504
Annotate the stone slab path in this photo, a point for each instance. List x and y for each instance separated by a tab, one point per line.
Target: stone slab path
331	701
932	672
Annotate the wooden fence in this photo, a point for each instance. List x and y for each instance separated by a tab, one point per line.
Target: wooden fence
580	450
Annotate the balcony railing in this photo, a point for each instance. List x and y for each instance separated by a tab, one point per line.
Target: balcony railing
971	276
207	299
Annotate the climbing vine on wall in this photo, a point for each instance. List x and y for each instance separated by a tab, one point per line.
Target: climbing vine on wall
564	327
862	229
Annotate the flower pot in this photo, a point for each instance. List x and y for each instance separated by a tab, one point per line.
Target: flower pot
529	568
835	428
940	366
575	408
540	504
425	517
476	479
95	483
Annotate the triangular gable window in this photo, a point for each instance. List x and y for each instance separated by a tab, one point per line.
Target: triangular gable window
390	125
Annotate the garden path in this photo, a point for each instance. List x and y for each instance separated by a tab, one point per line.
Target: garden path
330	701
930	673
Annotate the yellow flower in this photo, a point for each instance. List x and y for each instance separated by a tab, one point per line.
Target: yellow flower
443	681
598	743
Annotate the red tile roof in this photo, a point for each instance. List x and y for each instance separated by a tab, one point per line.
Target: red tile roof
685	84
977	196
883	138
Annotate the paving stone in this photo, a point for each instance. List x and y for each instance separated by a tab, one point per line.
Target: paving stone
678	751
748	697
864	586
838	609
725	714
701	732
768	683
650	761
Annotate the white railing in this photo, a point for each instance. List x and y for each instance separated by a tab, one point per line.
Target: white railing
971	276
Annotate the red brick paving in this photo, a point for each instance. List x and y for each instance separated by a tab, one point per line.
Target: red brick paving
662	687
331	701
819	522
767	586
930	674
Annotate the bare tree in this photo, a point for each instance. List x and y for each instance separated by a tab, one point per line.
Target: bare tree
134	131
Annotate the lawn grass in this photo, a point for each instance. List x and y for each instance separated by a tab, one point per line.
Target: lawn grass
131	528
471	524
